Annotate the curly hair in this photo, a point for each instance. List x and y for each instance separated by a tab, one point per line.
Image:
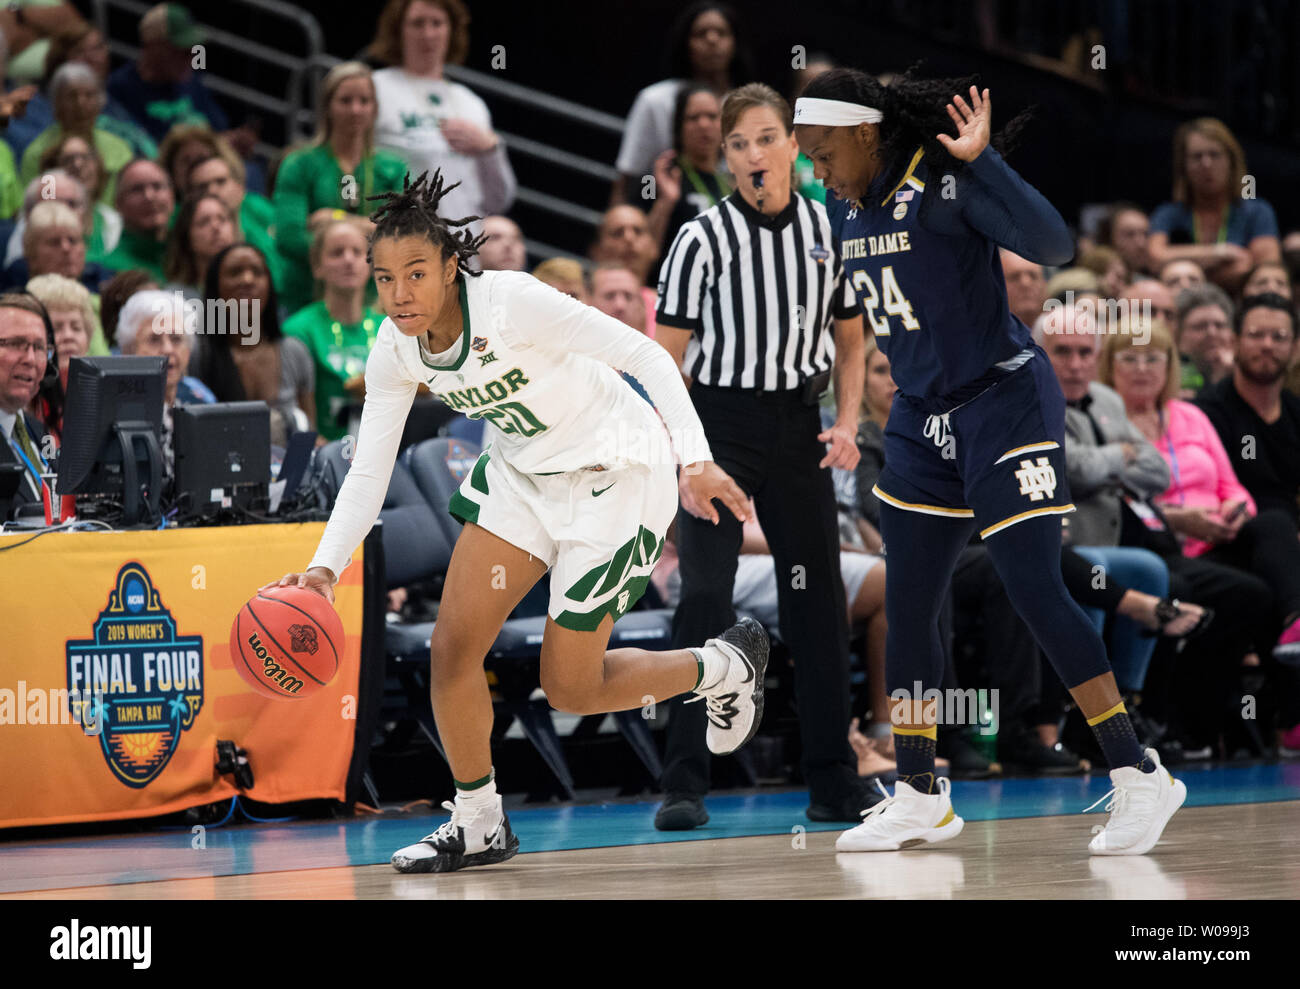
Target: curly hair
413	212
913	111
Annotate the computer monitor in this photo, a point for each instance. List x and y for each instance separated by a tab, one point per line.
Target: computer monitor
223	454
11	477
112	424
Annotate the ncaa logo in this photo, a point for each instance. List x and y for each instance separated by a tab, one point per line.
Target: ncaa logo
134	597
818	253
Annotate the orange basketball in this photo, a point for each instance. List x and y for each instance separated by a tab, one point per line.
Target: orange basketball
286	642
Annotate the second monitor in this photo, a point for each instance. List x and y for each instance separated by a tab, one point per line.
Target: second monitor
223	454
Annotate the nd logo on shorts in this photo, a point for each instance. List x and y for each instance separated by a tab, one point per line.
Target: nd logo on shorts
1037	479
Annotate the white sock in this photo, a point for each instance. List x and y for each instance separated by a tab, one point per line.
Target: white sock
716	664
483	798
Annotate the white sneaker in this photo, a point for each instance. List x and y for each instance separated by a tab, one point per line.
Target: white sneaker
906	819
1141	806
735	703
480	837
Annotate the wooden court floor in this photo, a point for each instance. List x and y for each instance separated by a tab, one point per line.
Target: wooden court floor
1234	851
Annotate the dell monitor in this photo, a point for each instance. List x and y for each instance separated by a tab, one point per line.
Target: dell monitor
112	425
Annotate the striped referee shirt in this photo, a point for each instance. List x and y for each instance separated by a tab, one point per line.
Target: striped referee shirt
758	293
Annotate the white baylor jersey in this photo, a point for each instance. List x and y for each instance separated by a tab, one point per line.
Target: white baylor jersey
525	363
538	366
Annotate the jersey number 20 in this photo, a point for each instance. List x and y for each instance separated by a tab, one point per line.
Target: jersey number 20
895	303
512	417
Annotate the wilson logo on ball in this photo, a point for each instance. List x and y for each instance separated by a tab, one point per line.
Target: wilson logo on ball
271	669
302	638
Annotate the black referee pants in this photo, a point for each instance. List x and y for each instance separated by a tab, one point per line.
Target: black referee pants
768	444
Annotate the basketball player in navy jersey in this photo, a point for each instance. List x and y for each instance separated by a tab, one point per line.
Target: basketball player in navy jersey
975	439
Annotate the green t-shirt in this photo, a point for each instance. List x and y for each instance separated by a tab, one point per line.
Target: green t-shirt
134	135
95	242
98	344
339	352
310	179
115	152
257	225
137	251
11	190
804	181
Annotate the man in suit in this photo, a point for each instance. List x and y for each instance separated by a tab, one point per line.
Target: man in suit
23	355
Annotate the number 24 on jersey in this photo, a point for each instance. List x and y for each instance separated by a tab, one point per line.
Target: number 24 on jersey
894	302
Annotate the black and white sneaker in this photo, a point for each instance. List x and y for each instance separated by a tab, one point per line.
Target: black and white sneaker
735	703
469	838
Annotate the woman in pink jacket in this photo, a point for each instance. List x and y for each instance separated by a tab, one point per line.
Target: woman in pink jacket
1205	504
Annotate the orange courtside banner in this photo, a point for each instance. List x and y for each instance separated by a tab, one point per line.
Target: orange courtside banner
116	679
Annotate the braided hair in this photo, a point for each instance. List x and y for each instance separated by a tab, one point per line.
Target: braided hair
413	212
913	112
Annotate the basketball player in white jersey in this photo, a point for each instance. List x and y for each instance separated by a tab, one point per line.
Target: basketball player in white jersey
576	478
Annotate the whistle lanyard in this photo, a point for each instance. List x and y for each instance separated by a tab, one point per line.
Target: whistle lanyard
1173	460
1222	238
337	329
693	177
34	473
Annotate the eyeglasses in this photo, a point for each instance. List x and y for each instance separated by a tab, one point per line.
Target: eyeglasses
1130	359
1255	336
16	346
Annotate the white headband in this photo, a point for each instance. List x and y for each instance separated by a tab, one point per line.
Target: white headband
834	113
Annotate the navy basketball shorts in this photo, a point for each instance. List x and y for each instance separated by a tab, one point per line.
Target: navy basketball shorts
999	458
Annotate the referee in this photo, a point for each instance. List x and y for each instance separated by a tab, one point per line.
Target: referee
747	296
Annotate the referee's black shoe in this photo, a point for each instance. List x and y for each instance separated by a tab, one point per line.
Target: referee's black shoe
681	812
847	806
1021	751
965	762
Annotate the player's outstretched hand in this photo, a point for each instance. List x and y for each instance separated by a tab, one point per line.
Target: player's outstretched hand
973	125
844	447
318	579
703	481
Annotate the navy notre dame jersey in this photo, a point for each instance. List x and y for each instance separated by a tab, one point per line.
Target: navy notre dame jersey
931	287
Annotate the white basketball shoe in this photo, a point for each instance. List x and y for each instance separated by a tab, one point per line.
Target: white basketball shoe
1140	807
735	703
907	819
471	837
